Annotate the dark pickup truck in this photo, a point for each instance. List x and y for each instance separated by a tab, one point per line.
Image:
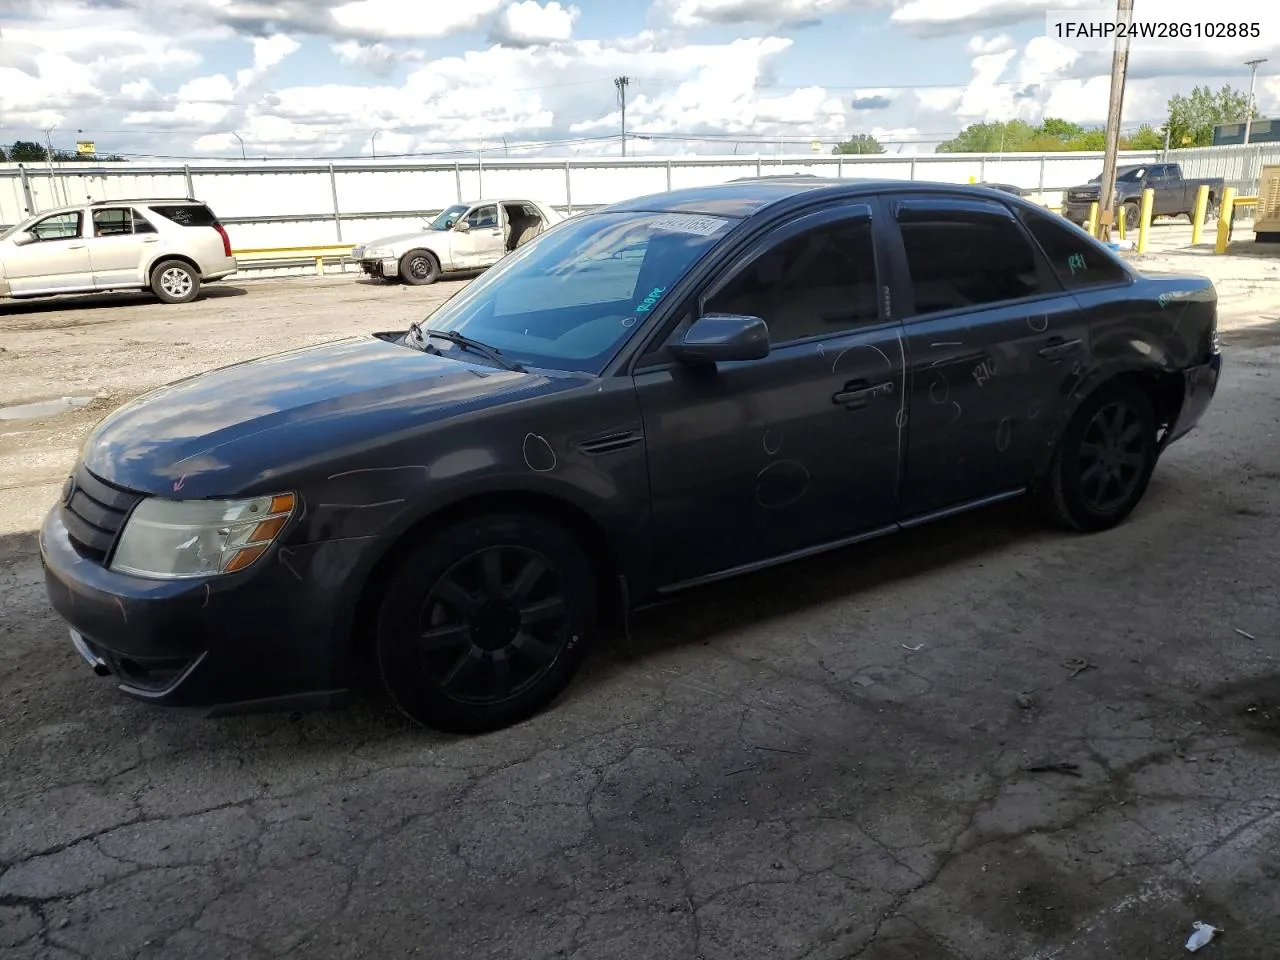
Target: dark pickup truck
1174	194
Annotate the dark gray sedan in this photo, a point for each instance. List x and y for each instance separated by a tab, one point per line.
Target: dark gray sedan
645	398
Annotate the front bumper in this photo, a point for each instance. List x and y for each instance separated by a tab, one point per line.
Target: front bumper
276	635
1076	211
1200	383
386	268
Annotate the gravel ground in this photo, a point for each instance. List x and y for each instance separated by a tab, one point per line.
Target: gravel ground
827	761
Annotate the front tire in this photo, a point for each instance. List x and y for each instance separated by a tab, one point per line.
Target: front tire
1104	461
486	623
419	267
174	281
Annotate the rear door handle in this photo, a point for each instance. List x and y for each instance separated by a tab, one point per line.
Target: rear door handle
1057	348
858	393
75	246
151	240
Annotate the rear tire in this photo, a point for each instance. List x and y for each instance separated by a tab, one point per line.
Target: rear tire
1104	461
419	267
1132	216
174	281
484	624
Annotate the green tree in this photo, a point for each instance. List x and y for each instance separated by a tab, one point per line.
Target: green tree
1063	130
3	156
1144	138
859	143
990	138
26	151
1192	118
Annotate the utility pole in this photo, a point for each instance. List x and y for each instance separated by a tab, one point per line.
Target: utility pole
1253	77
622	83
48	156
1115	107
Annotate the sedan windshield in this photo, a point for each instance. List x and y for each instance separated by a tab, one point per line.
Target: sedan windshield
449	217
569	298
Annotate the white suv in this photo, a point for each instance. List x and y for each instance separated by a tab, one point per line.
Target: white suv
167	246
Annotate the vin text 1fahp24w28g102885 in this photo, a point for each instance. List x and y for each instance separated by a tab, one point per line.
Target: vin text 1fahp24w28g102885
644	398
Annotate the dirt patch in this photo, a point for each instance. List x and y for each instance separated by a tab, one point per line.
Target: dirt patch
1252	704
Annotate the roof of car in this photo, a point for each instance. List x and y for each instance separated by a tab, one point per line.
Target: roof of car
742	198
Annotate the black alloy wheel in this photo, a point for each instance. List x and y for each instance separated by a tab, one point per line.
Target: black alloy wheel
486	623
1104	460
1113	456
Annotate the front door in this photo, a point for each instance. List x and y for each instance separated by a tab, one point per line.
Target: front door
119	246
991	335
481	245
56	261
755	460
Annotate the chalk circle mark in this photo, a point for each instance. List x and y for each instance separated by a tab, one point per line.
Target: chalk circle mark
538	455
781	484
939	390
1004	434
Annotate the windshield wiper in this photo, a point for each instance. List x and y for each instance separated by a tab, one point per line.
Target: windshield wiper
492	353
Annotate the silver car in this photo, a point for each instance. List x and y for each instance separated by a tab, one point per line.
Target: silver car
170	247
466	236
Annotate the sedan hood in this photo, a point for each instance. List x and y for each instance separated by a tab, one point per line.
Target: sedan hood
238	429
406	240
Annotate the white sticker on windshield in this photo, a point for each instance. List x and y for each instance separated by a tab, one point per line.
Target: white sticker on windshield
687	223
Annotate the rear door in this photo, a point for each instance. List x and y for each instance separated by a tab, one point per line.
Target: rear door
120	247
991	338
754	460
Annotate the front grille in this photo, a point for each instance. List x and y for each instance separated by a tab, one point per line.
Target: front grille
1078	196
96	513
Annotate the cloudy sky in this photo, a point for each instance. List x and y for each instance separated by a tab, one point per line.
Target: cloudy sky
307	78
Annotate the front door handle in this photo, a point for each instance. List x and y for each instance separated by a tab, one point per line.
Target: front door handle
858	393
75	246
151	240
1057	348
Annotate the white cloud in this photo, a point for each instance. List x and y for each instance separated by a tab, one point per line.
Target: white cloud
933	18
417	20
528	23
997	44
376	58
701	13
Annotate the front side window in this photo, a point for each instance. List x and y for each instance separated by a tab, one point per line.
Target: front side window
819	282
482	217
963	260
61	226
571	297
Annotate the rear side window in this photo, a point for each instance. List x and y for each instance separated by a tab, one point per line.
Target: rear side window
1078	264
963	260
117	221
187	214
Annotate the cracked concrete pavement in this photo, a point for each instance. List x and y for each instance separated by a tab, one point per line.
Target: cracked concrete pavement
771	769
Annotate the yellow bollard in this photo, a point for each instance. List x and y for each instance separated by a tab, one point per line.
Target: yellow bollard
1092	223
1225	213
1120	224
1197	218
320	266
1144	218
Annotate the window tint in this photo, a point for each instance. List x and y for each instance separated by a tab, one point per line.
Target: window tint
967	260
819	282
187	214
61	226
1077	262
141	224
482	217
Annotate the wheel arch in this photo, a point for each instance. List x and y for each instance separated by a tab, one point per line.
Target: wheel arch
589	534
1164	388
180	257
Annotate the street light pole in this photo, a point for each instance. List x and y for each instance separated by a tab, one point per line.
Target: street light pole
1115	108
237	136
1253	77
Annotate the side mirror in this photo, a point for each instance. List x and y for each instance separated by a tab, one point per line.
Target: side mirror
22	239
462	226
721	337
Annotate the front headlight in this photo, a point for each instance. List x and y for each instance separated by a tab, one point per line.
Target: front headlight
376	253
179	539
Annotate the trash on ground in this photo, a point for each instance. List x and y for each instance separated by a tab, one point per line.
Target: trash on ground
1201	935
1070	769
1025	700
1077	666
918	646
1245	634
